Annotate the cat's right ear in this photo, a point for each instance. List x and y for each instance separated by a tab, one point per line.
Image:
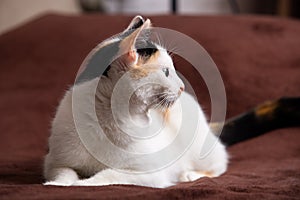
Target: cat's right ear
135	23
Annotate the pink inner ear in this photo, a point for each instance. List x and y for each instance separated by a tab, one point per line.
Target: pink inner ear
132	56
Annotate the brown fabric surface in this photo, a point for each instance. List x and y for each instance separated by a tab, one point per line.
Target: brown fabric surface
259	59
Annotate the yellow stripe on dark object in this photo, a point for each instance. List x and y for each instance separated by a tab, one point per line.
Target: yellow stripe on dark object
267	109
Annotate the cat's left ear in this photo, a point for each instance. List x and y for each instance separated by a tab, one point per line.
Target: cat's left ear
135	23
127	46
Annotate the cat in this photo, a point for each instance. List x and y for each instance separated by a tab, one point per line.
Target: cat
70	163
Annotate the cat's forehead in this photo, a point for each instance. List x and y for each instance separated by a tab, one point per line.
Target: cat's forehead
164	58
160	59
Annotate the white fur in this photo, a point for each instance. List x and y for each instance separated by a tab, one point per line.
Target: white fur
186	129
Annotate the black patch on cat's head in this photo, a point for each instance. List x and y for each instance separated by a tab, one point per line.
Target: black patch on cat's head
146	49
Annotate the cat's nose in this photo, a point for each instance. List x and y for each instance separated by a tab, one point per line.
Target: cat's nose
181	89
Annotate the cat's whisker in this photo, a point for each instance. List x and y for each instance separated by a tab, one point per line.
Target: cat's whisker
155	99
170	47
164	44
158	94
158	39
162	104
166	100
155	103
158	106
171	54
165	104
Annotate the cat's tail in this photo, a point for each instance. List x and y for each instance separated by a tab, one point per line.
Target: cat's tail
266	117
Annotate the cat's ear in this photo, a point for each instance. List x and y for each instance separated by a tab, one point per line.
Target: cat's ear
135	23
127	46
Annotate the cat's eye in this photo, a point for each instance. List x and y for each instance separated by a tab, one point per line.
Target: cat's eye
166	71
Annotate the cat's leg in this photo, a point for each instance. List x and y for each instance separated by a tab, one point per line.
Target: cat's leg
212	163
110	177
214	170
63	176
216	161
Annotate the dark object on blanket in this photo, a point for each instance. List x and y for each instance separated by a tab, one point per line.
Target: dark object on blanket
271	115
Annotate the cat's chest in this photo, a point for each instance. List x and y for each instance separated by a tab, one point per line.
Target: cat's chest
161	131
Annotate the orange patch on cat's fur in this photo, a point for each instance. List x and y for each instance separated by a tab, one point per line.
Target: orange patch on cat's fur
140	72
167	115
167	120
208	174
150	60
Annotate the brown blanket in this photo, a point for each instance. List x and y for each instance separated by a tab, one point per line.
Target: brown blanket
259	59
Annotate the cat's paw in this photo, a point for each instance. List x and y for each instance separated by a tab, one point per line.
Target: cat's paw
192	176
88	182
56	183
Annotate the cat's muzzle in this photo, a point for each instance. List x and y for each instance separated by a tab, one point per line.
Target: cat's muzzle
166	101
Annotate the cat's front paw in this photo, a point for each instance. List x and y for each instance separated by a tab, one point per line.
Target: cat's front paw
56	183
88	182
192	176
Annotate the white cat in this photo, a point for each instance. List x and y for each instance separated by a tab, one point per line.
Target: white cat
157	104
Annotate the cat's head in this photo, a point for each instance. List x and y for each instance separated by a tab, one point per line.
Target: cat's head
145	66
